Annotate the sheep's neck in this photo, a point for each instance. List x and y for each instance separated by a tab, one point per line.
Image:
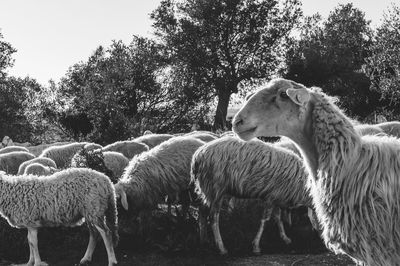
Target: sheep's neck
328	139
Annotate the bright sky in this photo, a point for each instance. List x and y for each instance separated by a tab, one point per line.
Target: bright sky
52	35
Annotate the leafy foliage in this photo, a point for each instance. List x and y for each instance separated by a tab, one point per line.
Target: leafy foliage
221	43
331	54
383	65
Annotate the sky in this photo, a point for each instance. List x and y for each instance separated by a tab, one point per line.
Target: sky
52	35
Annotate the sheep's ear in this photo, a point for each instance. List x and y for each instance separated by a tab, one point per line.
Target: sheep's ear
124	201
298	96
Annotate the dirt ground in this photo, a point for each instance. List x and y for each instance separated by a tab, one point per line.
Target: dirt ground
173	242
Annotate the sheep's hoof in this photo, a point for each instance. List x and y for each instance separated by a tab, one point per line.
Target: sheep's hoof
84	263
223	252
41	263
257	251
287	241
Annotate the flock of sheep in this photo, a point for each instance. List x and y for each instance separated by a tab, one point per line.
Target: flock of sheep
346	174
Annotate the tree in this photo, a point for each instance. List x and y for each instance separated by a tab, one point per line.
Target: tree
331	54
6	51
383	64
222	42
121	91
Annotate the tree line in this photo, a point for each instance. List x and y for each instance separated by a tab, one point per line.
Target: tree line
201	54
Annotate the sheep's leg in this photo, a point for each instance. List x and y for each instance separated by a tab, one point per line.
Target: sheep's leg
31	257
203	224
91	246
33	244
278	220
266	216
215	229
313	219
107	238
287	215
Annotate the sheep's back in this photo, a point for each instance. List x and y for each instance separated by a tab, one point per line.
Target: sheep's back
42	160
10	162
63	198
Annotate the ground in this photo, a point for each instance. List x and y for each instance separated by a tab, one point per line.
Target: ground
173	240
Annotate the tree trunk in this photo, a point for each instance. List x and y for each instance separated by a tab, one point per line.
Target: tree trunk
224	95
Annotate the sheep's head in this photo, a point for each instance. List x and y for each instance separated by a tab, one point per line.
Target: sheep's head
274	110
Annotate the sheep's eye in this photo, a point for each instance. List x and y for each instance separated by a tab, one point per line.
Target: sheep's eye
284	95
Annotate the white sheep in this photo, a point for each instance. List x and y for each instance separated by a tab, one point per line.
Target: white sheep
231	167
160	172
39	169
129	148
62	154
205	136
92	146
116	162
354	180
67	198
12	148
153	140
42	160
10	162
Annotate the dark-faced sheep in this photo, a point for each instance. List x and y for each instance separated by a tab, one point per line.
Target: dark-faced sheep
67	198
62	154
253	170
129	148
160	172
42	160
10	162
355	182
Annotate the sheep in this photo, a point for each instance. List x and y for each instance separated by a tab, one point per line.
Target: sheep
93	159
38	149
10	162
160	172
354	180
116	162
39	169
12	148
62	154
153	140
205	136
66	198
231	167
92	146
42	160
129	148
390	128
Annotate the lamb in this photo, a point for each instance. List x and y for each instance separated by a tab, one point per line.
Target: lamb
129	148
10	162
160	172
153	140
39	169
116	162
12	148
354	180
62	199
62	154
42	160
231	167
